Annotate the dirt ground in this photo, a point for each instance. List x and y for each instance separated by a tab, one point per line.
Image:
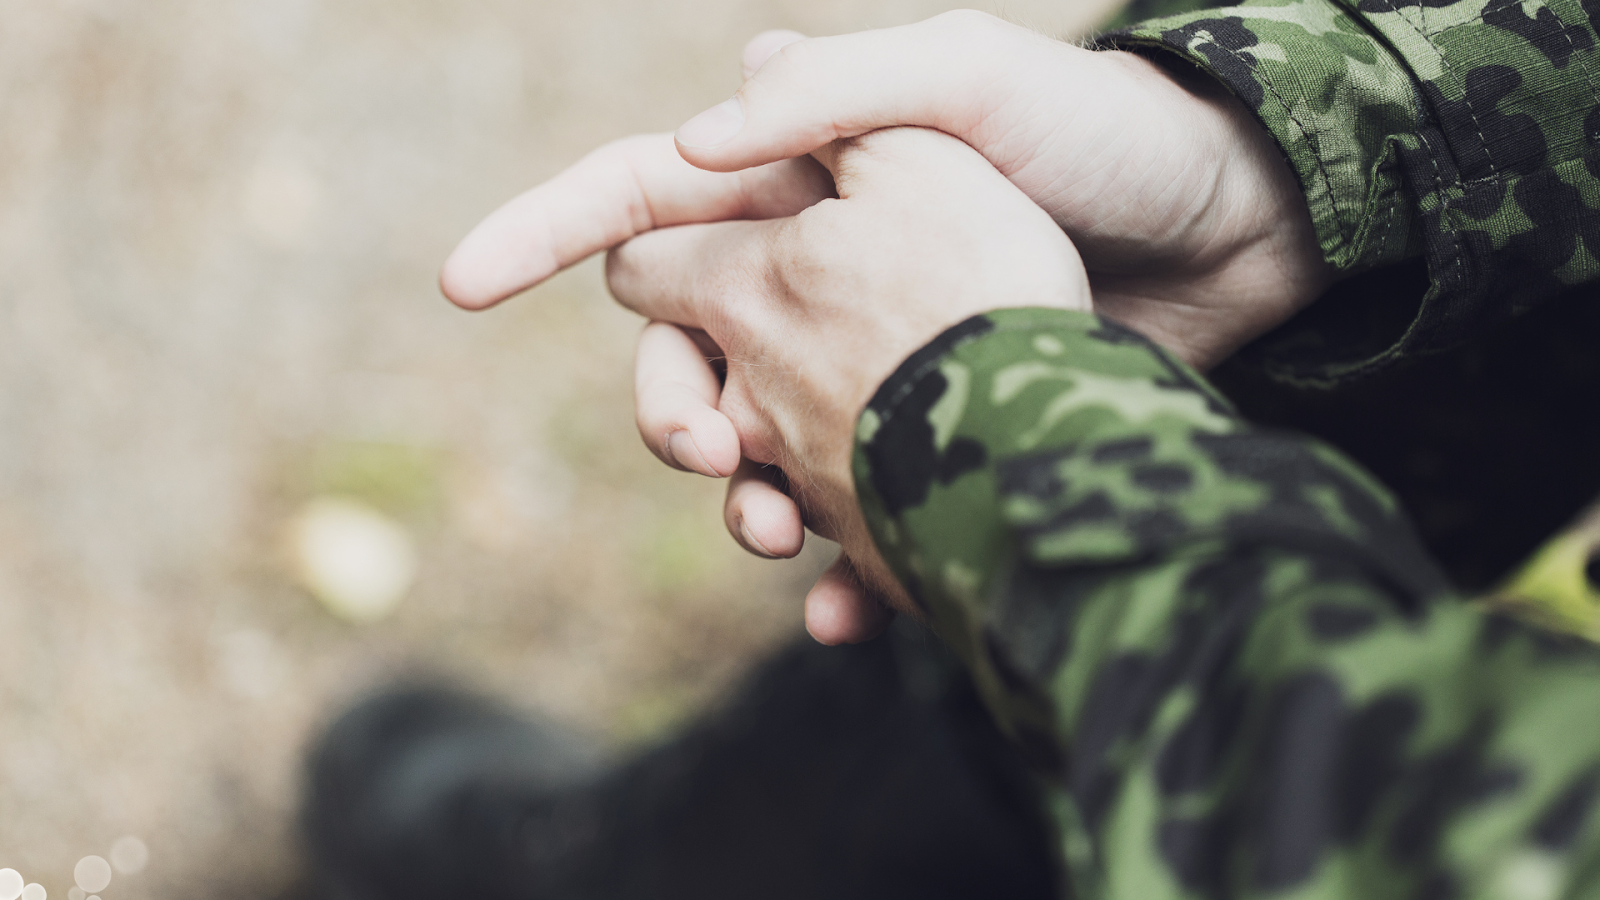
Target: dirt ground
219	226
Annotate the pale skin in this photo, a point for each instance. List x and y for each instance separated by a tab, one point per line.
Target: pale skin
1190	226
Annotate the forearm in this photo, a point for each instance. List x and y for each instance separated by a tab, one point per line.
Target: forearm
1036	444
1211	637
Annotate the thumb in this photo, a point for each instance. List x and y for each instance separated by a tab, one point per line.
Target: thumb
950	73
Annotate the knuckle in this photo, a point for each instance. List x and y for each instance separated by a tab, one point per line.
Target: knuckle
801	246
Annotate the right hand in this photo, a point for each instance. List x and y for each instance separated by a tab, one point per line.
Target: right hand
1192	226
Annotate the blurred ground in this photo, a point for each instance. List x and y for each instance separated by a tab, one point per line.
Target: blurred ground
219	226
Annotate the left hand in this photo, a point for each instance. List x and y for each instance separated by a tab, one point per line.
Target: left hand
812	312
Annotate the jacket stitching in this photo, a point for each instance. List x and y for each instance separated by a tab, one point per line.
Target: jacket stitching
1444	209
1381	244
1566	32
1316	155
1445	62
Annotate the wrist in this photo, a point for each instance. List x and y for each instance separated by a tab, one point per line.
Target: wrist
1277	256
1244	250
1258	198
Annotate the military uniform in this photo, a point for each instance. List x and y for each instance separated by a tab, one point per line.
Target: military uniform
1224	646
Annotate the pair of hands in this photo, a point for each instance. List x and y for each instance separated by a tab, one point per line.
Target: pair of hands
802	237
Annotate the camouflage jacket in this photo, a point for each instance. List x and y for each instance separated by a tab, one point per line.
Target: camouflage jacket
1224	648
1466	132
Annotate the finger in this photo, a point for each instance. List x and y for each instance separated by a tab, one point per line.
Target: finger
685	274
620	190
759	515
840	611
675	395
889	158
951	72
762	46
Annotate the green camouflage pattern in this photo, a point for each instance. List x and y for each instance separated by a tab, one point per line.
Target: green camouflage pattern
1236	669
1135	11
1461	131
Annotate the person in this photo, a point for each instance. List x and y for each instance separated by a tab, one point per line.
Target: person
1222	645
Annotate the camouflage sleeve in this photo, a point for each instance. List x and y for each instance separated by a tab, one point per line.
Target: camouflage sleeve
1460	131
1222	646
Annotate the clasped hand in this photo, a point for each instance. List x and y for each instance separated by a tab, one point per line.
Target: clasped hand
811	278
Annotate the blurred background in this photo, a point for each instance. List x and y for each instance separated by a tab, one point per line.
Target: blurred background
252	465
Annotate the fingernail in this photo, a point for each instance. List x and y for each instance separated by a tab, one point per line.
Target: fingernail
714	127
751	542
680	445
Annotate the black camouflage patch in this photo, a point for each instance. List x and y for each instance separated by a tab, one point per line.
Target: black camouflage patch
1223	38
1389	6
1318	772
1199	850
1332	623
1119	704
1295	806
1563	820
1441	785
1031	619
1437	885
1544	30
1484	141
1123	450
905	461
1162	478
1292	472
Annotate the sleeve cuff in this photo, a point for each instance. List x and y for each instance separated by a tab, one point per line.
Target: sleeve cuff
1332	95
1029	459
939	443
1044	439
1465	134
